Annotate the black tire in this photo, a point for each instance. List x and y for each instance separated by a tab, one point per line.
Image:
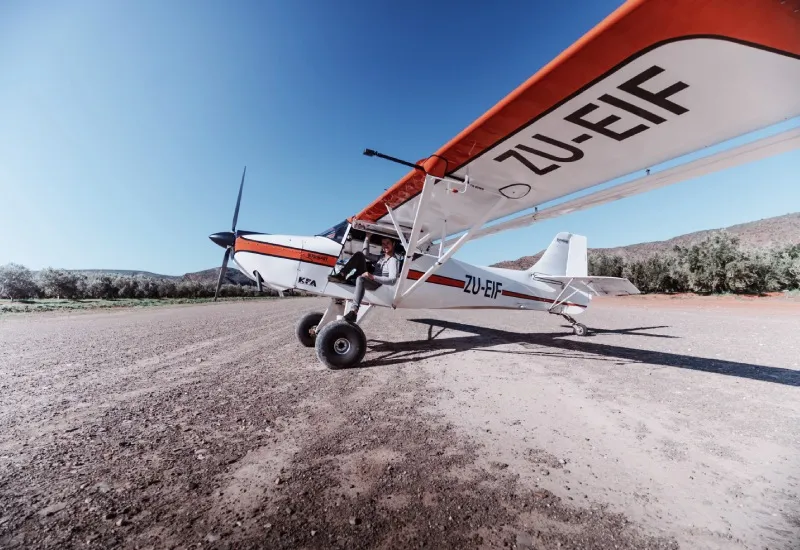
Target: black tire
580	330
341	345
306	328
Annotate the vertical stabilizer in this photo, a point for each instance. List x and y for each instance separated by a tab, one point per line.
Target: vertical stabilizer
566	256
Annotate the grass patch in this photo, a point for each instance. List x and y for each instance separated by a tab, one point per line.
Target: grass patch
30	306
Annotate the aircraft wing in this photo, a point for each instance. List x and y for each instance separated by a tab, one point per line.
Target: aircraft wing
599	286
657	79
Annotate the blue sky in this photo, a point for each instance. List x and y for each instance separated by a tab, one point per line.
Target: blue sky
126	125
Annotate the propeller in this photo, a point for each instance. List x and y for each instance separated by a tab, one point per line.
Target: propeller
227	239
238	202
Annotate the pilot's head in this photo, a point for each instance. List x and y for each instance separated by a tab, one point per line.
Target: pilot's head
387	246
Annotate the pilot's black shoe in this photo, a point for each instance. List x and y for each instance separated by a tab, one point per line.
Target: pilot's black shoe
351	317
336	278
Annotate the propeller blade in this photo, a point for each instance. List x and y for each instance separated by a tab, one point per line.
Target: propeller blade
222	272
238	201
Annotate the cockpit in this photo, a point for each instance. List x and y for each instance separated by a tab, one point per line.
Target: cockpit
355	240
336	233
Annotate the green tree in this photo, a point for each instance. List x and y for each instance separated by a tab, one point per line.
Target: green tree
127	286
785	263
16	282
148	288
742	276
60	283
103	288
602	264
167	289
707	262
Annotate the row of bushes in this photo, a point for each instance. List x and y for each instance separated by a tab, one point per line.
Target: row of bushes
717	264
18	282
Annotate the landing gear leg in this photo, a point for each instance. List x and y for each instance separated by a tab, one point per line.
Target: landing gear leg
311	324
558	309
578	328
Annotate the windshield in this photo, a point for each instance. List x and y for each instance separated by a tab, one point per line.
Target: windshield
335	233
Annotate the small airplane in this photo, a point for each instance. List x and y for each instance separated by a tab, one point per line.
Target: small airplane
655	81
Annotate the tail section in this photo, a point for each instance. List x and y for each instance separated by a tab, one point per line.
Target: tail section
566	256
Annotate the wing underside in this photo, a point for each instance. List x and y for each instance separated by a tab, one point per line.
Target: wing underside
656	80
598	286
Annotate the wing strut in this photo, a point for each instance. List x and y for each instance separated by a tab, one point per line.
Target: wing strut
396	226
558	301
424	240
427	187
429	182
444	235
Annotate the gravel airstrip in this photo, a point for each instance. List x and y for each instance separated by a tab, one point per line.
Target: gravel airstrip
674	424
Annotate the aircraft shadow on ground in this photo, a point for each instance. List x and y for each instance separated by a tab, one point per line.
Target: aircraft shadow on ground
555	345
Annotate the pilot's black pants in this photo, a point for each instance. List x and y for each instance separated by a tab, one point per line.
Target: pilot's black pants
359	262
363	284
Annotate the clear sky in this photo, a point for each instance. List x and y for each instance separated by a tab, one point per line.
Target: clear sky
124	126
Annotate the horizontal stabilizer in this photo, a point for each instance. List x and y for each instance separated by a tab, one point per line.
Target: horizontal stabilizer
599	286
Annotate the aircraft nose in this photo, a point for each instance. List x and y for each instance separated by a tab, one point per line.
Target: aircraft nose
223	239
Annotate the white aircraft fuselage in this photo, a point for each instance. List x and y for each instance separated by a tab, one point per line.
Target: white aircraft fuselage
305	262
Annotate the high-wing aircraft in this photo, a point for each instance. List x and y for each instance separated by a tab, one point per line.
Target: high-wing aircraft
654	81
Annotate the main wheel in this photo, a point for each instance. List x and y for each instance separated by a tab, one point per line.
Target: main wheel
580	330
306	328
341	344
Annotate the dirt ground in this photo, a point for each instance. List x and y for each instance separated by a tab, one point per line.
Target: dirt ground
675	424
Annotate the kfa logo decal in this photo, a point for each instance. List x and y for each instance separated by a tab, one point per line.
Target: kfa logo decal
306	281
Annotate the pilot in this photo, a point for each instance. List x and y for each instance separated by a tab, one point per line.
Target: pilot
384	272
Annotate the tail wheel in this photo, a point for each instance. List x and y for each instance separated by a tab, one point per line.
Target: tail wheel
341	345
306	328
580	330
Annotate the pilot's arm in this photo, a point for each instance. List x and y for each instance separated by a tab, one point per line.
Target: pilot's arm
365	249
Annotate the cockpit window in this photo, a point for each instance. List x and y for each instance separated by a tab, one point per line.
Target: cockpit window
335	233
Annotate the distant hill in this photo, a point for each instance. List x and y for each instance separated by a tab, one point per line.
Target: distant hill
234	276
780	230
125	272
